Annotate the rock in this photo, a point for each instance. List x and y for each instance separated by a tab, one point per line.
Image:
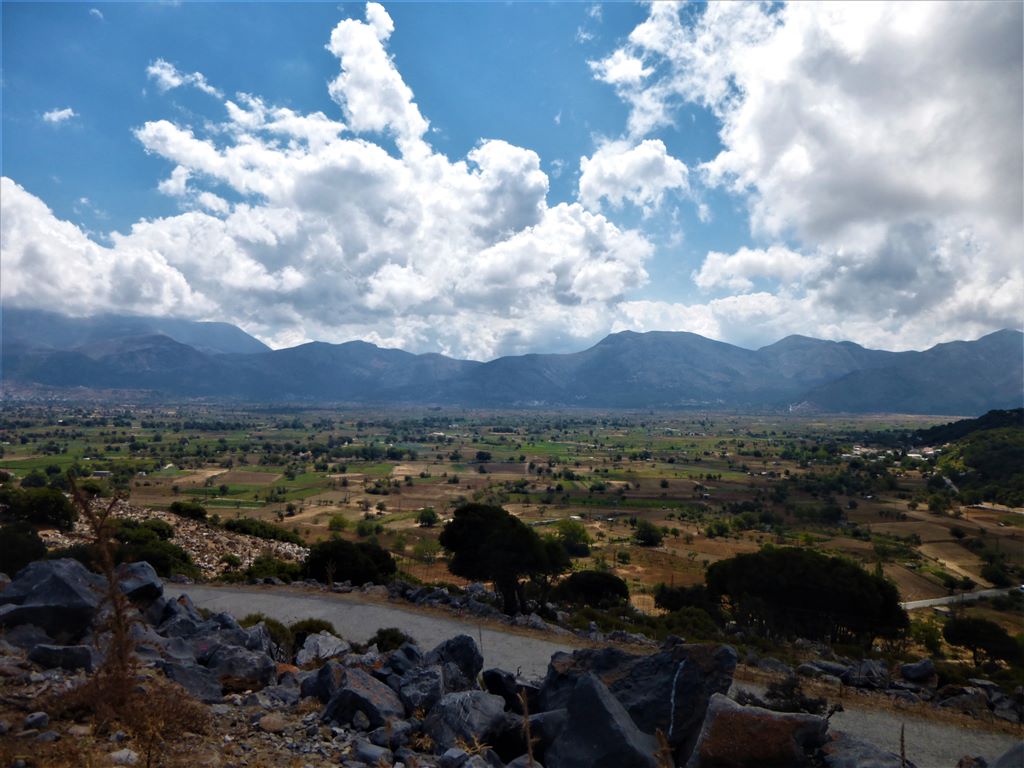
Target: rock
422	688
324	682
273	723
27	636
992	690
669	690
770	664
504	684
453	758
238	669
321	647
461	661
844	751
972	701
408	656
371	754
599	732
545	727
35	721
734	736
68	657
394	735
361	692
1012	758
60	596
199	682
48	737
1008	708
472	716
808	670
360	721
257	638
867	673
4	581
523	761
139	582
833	668
124	757
919	672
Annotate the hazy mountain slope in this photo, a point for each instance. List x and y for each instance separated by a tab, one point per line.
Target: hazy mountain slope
50	330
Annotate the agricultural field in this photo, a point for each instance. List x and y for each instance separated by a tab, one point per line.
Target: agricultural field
652	497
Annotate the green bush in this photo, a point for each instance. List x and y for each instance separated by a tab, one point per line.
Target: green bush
44	507
266	566
19	546
648	534
262	530
388	639
594	588
358	562
190	509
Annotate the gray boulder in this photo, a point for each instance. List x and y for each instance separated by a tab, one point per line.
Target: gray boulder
68	657
325	682
422	688
505	684
408	656
599	732
751	737
199	682
844	751
321	647
1012	758
139	582
867	673
919	672
361	692
668	690
239	669
461	661
59	596
467	716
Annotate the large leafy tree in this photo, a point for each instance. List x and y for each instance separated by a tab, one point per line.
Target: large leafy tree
787	591
981	636
489	544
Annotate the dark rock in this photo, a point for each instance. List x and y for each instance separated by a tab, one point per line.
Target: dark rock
469	716
505	684
139	582
60	596
324	683
844	751
361	692
1012	758
734	736
919	672
321	647
453	758
668	690
371	754
27	636
830	667
199	682
545	727
239	669
599	732
867	673
972	701
421	688
63	656
48	737
461	660
36	720
523	761
394	735
992	690
770	664
404	658
1008	708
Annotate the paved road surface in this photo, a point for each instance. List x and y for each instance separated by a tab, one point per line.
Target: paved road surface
357	621
950	599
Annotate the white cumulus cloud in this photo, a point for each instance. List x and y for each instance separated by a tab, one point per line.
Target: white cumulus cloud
57	116
641	174
167	77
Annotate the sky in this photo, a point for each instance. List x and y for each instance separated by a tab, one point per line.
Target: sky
484	179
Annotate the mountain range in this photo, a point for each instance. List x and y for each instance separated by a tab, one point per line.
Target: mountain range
181	359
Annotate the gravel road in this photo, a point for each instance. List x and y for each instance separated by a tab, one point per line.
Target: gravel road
356	620
929	744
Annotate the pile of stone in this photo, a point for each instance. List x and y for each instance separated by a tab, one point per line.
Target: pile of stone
412	706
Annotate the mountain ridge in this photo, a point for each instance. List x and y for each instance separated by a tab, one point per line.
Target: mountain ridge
629	369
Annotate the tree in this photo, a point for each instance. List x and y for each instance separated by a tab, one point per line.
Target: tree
789	591
594	588
488	543
357	562
19	546
427	518
574	537
44	507
648	534
981	635
190	509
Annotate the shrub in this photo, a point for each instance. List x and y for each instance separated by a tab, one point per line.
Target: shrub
190	509
303	628
389	639
267	566
594	588
261	530
19	546
45	507
427	518
358	562
337	523
648	534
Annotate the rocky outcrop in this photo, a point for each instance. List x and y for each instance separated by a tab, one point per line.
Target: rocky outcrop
59	596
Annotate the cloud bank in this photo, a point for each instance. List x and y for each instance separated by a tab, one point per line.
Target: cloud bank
875	147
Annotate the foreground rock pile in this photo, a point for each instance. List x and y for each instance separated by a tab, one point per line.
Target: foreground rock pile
331	704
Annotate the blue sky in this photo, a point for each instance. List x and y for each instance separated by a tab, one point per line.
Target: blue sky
587	168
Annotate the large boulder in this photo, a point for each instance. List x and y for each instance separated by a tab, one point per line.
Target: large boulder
325	682
919	671
321	647
867	673
510	688
599	732
362	692
239	669
844	751
199	682
1012	758
461	661
139	582
68	657
734	736
60	596
422	688
668	690
470	717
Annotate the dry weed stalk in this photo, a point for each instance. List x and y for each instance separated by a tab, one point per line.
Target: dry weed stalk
530	740
663	757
